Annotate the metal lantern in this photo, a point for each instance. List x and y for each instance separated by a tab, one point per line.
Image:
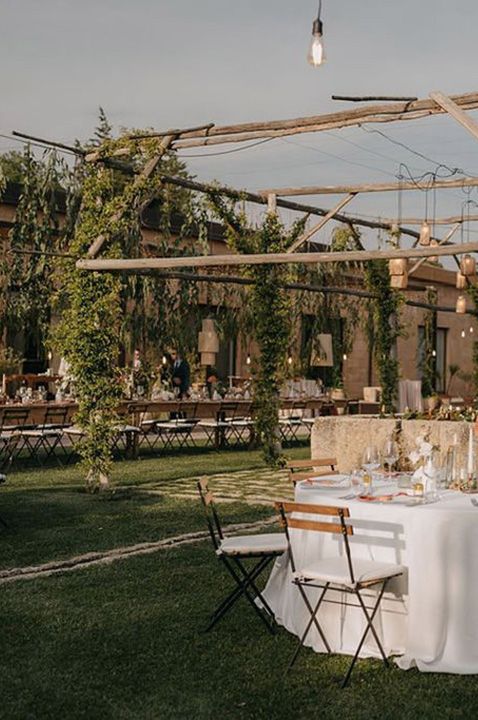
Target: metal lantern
460	280
398	268
461	305
425	234
208	342
468	265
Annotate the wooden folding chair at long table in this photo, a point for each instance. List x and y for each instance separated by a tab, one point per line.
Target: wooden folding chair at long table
335	574
233	552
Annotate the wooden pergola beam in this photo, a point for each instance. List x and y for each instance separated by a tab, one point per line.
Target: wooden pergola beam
451	220
315	228
244	195
451	107
370	187
109	264
347	118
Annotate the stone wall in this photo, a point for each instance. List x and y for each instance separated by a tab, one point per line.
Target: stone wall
346	437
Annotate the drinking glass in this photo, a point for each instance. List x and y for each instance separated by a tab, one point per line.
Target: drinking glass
370	460
390	455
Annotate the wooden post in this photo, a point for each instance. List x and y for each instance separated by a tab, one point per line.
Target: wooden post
272	203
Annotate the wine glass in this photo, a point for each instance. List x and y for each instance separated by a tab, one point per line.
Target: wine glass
390	455
370	459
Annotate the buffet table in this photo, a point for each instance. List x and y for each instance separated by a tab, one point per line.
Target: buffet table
429	618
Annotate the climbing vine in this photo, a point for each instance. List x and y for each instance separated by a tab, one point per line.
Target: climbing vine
271	315
428	368
385	309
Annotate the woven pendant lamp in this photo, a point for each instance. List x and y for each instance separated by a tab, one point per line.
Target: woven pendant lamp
460	305
398	269
208	342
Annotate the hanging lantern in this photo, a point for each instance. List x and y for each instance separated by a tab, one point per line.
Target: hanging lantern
460	280
208	342
425	234
461	305
467	265
433	258
398	269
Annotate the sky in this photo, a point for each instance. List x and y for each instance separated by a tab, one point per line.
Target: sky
178	63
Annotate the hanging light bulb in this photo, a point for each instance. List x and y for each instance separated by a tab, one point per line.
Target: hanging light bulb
248	359
471	329
462	333
425	234
461	305
164	360
289	359
316	54
434	353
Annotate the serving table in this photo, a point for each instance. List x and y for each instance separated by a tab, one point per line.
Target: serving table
429	616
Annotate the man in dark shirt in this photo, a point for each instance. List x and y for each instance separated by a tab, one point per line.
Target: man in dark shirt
180	373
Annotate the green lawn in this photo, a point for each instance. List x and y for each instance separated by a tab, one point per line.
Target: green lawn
126	640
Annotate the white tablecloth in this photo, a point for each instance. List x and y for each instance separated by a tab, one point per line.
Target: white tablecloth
430	617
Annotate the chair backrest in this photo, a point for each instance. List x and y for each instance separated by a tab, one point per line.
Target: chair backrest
228	410
137	411
287	510
296	468
13	417
55	416
212	518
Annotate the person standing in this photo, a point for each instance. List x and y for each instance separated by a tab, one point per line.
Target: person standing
180	374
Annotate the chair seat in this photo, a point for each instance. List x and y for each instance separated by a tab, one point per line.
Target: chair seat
73	430
44	432
336	571
127	429
267	543
174	425
308	421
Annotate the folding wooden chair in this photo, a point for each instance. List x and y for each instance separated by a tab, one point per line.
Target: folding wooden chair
290	423
232	552
298	468
180	427
12	421
48	435
335	574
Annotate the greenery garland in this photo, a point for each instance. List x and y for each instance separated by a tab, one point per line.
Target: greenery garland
271	316
429	372
385	311
472	291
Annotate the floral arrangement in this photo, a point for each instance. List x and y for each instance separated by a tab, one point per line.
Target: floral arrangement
422	458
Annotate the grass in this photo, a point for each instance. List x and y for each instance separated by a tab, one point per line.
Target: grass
126	641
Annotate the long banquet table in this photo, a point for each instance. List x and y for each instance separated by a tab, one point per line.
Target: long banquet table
430	616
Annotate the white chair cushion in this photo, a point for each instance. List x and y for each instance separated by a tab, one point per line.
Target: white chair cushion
245	544
127	429
336	571
73	430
